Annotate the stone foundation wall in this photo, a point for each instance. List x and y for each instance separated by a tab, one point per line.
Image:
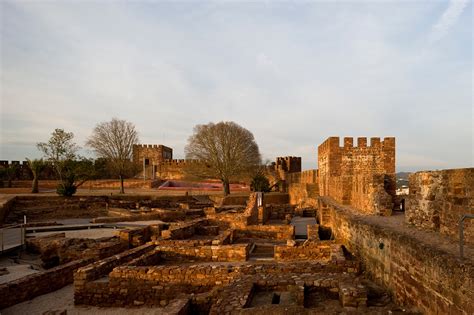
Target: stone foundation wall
280	212
242	200
321	250
274	232
28	287
41	208
439	199
236	252
158	285
155	214
103	267
313	232
183	230
417	274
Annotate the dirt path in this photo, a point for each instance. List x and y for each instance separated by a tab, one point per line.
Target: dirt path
63	299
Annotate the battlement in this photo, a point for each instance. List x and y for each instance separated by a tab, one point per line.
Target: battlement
7	164
358	174
334	143
151	146
289	164
177	162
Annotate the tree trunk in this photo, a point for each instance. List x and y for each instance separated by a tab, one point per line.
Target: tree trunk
34	188
122	191
226	187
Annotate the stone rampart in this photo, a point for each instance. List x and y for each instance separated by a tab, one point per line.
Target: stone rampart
438	200
415	272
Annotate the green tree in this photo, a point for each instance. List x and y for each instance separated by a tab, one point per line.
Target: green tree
113	141
260	183
224	150
11	173
72	171
36	166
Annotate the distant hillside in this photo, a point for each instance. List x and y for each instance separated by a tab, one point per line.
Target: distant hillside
402	179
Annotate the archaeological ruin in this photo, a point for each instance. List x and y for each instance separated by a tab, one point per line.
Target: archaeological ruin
330	240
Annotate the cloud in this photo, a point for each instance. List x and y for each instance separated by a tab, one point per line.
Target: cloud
293	74
448	19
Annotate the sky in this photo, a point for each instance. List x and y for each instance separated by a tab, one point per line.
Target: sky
291	72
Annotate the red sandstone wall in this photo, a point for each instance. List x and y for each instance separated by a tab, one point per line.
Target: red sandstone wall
416	273
303	188
438	200
362	176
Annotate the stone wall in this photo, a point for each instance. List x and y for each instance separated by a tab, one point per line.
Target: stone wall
320	250
184	230
416	273
242	200
172	169
56	249
28	287
303	188
438	200
136	285
273	232
43	208
165	215
222	253
361	176
279	212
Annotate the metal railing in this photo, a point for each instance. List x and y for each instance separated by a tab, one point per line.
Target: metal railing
461	233
11	237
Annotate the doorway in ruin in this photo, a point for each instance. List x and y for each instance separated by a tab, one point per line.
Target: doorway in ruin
301	226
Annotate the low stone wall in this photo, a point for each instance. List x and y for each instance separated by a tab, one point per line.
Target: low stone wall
222	253
165	215
56	249
101	268
238	296
115	183
439	199
416	273
280	212
33	285
313	232
242	200
275	232
138	236
183	230
133	285
42	208
321	250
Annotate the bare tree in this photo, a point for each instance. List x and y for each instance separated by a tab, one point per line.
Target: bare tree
114	140
224	150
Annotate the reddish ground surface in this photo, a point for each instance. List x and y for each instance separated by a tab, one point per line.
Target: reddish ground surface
205	186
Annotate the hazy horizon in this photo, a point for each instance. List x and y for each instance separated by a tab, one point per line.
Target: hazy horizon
293	73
